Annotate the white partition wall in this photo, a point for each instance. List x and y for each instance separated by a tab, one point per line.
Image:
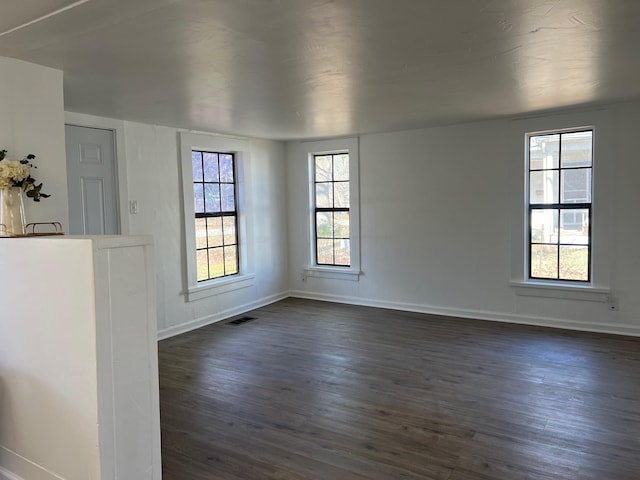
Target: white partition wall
78	359
32	121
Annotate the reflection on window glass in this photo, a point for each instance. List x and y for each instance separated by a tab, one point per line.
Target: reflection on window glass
544	151
543	187
577	149
216	216
198	197
576	185
211	168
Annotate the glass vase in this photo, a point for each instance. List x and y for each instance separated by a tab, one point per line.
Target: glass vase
11	212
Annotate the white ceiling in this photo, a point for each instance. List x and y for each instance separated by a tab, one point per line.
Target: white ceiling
287	69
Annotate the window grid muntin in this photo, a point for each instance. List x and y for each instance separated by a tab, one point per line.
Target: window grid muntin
560	206
222	214
332	209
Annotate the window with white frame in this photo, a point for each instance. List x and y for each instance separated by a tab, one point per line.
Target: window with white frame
334	208
559	205
215	227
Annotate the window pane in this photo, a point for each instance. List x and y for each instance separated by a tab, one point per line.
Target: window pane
544	261
230	237
341	224
574	263
574	226
202	264
343	252
201	233
228	197
210	167
544	152
226	167
544	226
341	167
325	251
577	149
323	168
230	260
341	194
198	197
576	185
212	197
543	187
214	231
324	195
216	262
324	225
196	162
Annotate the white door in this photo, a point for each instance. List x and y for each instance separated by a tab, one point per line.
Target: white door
91	176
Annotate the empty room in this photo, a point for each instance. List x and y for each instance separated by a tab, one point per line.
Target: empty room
312	239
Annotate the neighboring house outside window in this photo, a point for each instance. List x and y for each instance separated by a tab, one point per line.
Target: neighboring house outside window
559	205
216	216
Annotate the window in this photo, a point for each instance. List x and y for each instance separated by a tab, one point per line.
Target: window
216	216
333	215
559	206
216	254
332	209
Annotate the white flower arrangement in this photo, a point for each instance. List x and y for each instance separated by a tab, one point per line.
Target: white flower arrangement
17	173
12	171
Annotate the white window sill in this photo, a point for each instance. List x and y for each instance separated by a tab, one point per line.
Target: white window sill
350	274
216	287
568	291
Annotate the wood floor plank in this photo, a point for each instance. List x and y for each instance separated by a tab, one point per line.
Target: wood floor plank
315	390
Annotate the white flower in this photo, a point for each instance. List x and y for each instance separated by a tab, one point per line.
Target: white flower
12	171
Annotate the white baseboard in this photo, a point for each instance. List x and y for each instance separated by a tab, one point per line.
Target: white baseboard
218	317
613	328
11	462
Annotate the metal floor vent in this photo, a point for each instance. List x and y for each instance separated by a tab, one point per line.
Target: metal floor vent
241	320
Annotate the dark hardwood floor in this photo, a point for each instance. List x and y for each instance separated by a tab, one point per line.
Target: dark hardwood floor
313	390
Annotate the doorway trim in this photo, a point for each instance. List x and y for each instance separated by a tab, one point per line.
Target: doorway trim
117	127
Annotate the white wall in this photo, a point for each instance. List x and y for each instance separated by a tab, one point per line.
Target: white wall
32	121
153	167
149	172
440	213
48	379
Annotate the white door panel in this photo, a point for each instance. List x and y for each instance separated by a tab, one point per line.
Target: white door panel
91	175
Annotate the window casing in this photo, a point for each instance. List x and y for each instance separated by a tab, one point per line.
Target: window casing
191	142
332	242
309	151
559	205
216	215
